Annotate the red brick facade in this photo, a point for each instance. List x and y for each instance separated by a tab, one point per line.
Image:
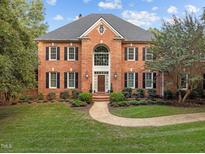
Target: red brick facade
84	65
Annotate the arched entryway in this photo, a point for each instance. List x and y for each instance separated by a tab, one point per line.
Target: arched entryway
101	69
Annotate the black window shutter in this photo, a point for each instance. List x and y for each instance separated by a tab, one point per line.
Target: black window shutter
144	50
136	80
143	80
136	54
204	81
58	53
58	80
65	53
154	80
125	80
125	53
47	53
47	79
76	53
65	80
76	79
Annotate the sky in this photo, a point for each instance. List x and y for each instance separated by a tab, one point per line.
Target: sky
143	13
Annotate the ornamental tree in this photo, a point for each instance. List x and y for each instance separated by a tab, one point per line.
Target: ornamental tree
179	48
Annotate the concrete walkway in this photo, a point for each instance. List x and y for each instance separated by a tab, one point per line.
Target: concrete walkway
100	112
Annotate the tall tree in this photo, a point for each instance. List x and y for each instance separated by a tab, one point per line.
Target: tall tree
19	25
178	49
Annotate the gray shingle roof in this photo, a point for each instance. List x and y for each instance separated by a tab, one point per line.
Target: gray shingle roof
74	30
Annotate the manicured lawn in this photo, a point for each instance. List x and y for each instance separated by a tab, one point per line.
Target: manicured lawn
58	128
153	111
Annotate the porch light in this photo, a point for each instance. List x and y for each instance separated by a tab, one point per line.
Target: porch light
86	75
115	75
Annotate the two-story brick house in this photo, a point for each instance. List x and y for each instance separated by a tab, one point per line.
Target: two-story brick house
98	52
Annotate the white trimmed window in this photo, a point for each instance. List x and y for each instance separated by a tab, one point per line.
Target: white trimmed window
131	54
53	80
148	54
131	80
53	53
184	81
149	79
71	80
71	53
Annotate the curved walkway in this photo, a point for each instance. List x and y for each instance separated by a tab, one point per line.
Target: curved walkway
100	112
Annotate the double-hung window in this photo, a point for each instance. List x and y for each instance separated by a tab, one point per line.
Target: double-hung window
131	54
131	80
53	79
184	81
71	80
149	79
71	53
53	53
148	54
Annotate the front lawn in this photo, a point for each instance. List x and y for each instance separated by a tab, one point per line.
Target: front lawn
59	128
153	111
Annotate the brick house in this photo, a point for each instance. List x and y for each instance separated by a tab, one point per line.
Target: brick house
98	52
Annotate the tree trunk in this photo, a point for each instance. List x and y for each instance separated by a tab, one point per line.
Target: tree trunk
188	92
180	97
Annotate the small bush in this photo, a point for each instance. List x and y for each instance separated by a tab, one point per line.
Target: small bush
140	93
40	96
152	93
64	95
78	103
168	94
75	94
51	96
85	97
26	98
127	92
120	104
117	97
197	93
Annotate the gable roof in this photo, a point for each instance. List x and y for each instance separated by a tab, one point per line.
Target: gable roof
74	30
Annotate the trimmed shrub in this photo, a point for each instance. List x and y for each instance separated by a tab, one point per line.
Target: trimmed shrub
26	99
197	93
127	92
78	103
117	97
140	93
40	96
137	102
168	94
75	94
64	95
152	93
51	96
85	97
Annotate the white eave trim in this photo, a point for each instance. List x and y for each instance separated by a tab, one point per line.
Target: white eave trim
97	23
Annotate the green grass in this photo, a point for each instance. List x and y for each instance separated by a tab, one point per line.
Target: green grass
148	111
59	128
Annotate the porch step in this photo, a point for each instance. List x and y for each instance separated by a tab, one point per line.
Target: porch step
100	97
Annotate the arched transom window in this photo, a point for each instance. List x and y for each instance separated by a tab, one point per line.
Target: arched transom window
101	56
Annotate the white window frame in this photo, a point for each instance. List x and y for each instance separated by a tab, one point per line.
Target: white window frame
152	80
146	53
50	80
128	52
50	54
133	87
68	49
69	79
187	79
